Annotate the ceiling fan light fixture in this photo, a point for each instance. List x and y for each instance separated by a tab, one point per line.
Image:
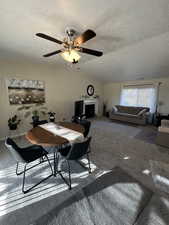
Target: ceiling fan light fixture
72	45
70	56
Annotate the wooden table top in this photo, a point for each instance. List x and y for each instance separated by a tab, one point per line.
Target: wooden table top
40	136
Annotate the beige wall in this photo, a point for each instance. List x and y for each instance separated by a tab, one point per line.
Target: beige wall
63	87
112	93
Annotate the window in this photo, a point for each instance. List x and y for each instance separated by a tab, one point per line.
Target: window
141	95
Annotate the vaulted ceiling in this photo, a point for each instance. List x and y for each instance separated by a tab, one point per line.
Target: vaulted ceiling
134	35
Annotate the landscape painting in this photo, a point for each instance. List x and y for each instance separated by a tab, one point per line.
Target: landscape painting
25	91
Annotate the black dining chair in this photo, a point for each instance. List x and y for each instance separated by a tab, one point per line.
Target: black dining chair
84	122
27	155
74	152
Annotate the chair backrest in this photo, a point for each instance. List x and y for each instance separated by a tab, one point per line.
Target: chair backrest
78	150
78	108
85	123
14	150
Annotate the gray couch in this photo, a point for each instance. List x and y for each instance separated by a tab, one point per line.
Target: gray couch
136	115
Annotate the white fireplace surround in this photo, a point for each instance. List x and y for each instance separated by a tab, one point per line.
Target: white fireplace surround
91	102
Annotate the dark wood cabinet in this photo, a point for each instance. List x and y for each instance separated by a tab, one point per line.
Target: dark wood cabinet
160	117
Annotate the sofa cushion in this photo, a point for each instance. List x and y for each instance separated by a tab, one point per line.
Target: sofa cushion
156	212
113	198
126	114
126	109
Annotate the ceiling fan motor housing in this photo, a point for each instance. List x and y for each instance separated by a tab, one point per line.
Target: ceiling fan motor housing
70	32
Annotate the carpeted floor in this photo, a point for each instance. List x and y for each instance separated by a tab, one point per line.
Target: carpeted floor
11	196
124	149
113	144
147	134
101	201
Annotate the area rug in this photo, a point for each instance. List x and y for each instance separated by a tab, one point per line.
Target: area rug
148	135
113	198
156	212
160	174
12	198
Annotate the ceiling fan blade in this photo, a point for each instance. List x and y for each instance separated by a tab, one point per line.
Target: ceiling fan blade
49	38
91	52
52	53
87	35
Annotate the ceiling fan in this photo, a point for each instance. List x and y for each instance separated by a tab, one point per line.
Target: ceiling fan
72	45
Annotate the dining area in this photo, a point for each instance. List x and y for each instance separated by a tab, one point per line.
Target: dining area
55	144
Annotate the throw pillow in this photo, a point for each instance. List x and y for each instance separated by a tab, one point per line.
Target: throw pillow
142	112
114	109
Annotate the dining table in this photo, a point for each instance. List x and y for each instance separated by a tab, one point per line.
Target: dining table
40	136
49	140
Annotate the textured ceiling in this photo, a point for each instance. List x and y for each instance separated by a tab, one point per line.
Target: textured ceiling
134	35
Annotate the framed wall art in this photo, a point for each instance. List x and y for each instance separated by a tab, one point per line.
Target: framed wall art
25	91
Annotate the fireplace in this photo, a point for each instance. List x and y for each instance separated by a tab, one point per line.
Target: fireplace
90	110
88	107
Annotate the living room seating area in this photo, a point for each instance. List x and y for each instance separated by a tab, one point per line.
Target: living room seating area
136	115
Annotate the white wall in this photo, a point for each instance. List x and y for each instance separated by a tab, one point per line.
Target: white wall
112	93
63	87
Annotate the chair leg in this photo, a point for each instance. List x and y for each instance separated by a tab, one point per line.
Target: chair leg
41	160
56	162
54	165
65	180
24	177
70	182
17	173
17	167
49	163
23	181
82	164
88	162
59	163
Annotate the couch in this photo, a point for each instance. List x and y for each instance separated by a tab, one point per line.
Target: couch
163	134
131	114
